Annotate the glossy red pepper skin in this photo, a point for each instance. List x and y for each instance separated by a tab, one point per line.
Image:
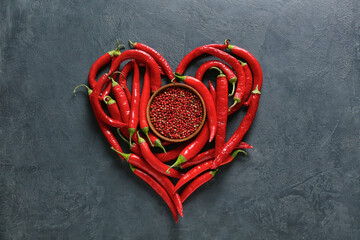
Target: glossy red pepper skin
249	79
240	131
121	101
194	54
232	61
221	111
158	58
135	102
158	189
230	75
192	173
171	154
155	162
196	183
252	62
212	92
164	181
144	99
209	102
209	155
141	56
98	64
194	147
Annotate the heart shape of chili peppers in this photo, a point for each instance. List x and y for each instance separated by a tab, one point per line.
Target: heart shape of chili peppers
125	114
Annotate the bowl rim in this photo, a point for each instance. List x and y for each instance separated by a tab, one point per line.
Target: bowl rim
161	90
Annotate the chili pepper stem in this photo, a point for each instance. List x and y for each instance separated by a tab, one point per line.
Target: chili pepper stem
236	101
157	143
116	52
83	85
181	159
131	133
126	156
233	82
234	153
145	130
132	44
180	77
214	172
121	136
132	167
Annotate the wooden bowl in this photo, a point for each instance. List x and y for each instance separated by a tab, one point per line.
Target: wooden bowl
152	126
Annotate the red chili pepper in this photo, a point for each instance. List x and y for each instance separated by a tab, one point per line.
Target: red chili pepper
253	63
195	171
171	154
230	75
196	53
196	183
158	189
164	181
232	61
249	78
157	56
248	83
121	100
144	57
100	63
113	108
155	162
105	129
135	102
194	147
145	95
212	92
209	102
221	110
241	130
208	155
94	99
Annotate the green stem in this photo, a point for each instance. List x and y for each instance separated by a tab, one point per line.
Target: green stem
132	167
236	101
256	91
108	100
140	139
181	159
131	133
83	85
157	143
233	82
131	43
126	156
214	172
145	130
234	153
122	136
180	77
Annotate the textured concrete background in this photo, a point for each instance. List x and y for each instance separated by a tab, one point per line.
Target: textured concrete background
60	180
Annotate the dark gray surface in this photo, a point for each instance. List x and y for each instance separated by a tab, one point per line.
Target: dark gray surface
60	180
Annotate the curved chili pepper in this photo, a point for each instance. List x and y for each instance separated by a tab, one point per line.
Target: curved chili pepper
171	154
212	92
232	61
248	83
194	147
155	162
221	110
158	189
135	102
121	100
144	57
164	181
129	66
144	99
105	129
241	130
253	63
196	183
158	58
192	173
94	99
230	75
100	63
249	78
208	155
209	102
113	108
196	53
